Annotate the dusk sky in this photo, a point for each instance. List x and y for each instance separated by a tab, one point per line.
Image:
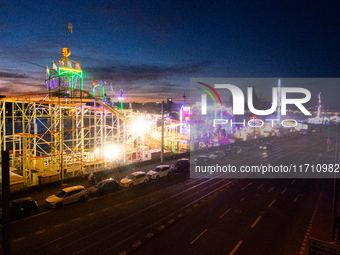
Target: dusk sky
151	49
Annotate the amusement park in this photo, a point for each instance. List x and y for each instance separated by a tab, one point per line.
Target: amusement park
69	132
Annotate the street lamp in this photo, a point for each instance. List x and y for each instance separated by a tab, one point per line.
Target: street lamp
335	187
254	118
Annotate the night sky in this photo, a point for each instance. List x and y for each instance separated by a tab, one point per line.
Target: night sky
151	49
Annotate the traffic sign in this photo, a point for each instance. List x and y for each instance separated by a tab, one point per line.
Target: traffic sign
317	247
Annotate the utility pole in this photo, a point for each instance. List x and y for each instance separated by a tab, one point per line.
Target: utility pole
334	219
6	222
162	147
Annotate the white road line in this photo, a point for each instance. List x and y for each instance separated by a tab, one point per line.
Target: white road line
225	213
293	181
283	191
260	186
271	189
247	186
243	199
19	239
40	232
271	203
296	198
59	225
76	219
199	236
256	221
236	247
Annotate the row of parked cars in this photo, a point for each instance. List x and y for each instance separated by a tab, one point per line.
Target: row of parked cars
136	178
27	206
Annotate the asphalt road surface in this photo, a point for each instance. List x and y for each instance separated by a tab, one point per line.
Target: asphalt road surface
183	215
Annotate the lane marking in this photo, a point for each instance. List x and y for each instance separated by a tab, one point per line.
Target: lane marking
256	221
271	203
19	239
297	198
225	213
247	186
305	240
199	236
59	225
40	232
243	199
76	219
271	189
236	247
260	186
284	190
293	181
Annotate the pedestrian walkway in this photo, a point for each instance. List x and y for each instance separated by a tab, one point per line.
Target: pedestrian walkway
321	222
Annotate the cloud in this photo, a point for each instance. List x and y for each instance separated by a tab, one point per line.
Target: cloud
142	73
10	88
11	75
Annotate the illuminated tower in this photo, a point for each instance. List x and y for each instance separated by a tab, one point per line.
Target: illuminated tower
279	100
319	108
62	79
63	76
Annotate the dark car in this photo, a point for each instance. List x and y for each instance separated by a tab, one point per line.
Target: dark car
202	160
181	165
228	152
104	187
23	207
266	146
236	149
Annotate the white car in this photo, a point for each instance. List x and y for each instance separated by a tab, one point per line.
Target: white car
67	196
133	179
160	171
217	155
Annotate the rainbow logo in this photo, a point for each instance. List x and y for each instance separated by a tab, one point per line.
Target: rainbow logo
204	97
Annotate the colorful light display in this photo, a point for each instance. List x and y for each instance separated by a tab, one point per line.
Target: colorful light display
319	107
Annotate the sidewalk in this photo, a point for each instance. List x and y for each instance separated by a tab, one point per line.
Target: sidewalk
320	226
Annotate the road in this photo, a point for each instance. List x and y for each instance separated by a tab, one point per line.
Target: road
183	215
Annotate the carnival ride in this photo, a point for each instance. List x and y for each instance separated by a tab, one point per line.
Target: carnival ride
68	131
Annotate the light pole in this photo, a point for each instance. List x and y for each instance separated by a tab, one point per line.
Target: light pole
335	185
162	146
254	120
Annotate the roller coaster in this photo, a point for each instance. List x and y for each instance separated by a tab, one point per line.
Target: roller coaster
67	132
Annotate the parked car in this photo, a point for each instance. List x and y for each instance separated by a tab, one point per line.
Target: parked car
202	160
22	207
133	179
181	165
236	149
104	187
67	196
228	152
160	171
266	146
217	155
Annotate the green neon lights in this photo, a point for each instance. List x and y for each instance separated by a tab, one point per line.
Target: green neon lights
74	72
